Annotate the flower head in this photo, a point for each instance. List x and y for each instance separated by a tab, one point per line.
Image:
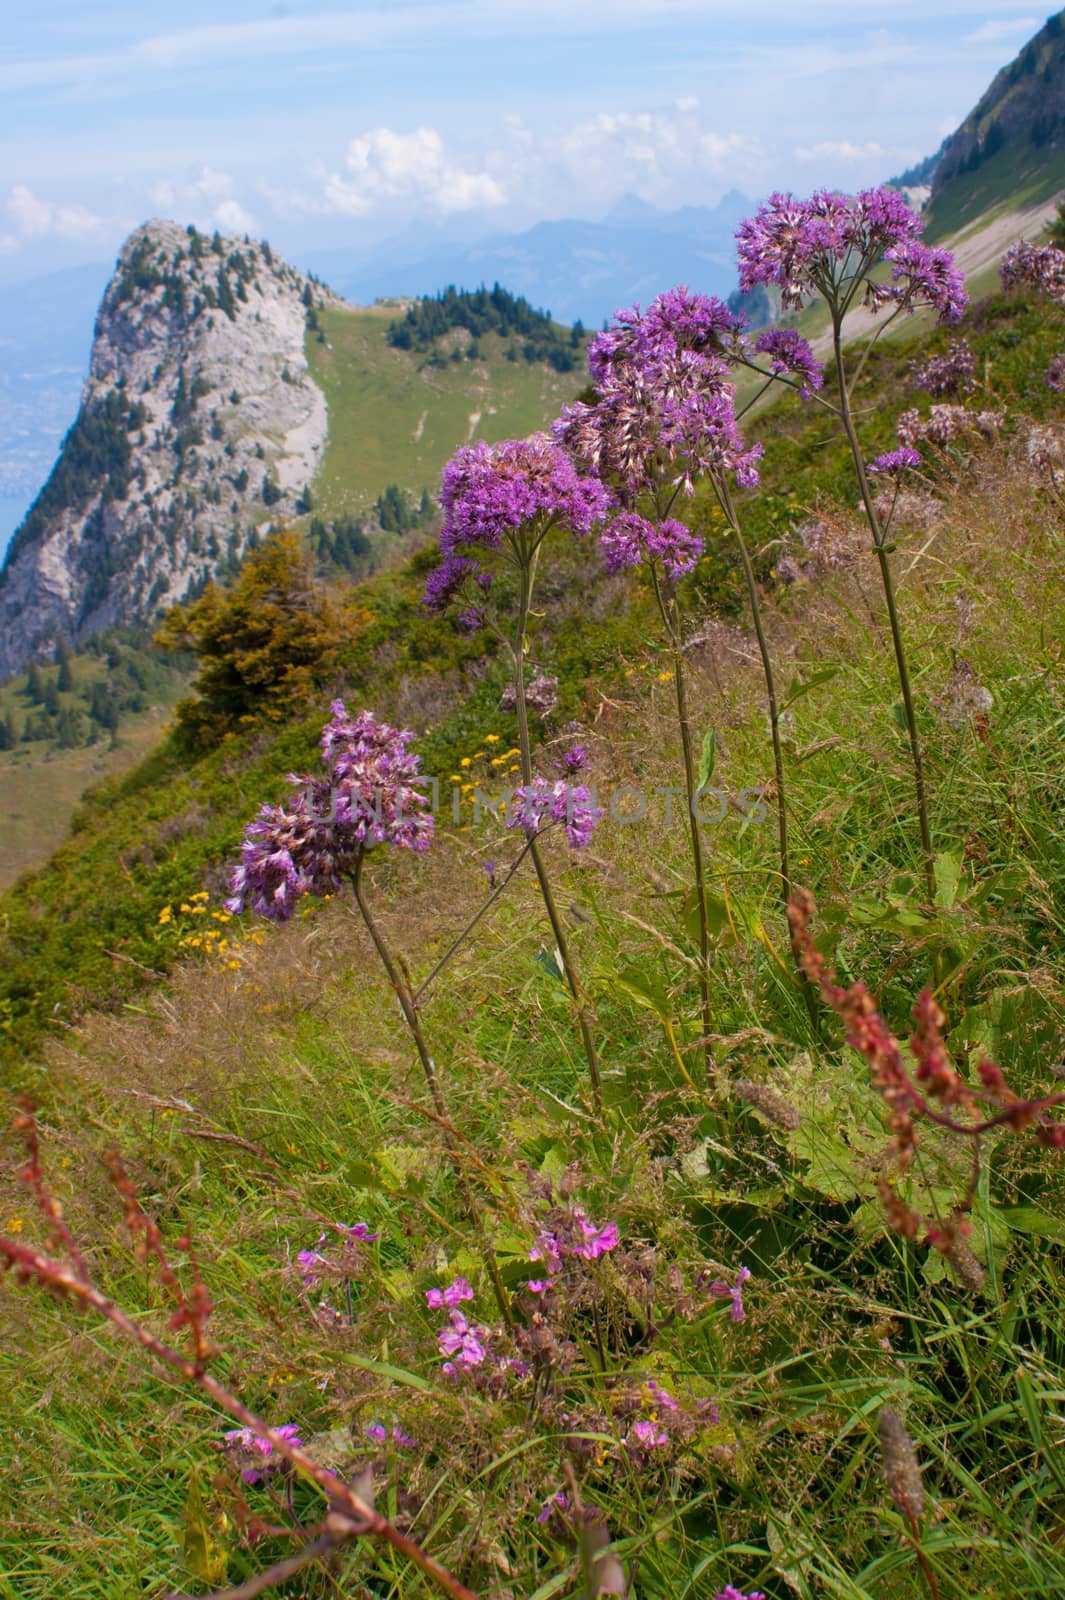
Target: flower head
791	356
828	245
569	804
724	1291
664	409
490	491
367	798
894	462
453	1295
462	1341
257	1454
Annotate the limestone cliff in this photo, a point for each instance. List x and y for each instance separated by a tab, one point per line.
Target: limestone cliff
198	424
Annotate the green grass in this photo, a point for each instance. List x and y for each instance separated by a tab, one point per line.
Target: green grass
266	1089
1016	177
394	418
294	1051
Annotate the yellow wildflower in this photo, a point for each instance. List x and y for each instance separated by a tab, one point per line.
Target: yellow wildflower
491	738
14	1225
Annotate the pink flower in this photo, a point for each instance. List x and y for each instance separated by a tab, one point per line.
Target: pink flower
649	1434
723	1291
462	1340
597	1241
453	1295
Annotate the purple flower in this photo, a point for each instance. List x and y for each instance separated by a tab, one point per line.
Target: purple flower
729	1593
894	462
1054	376
631	539
491	491
724	1291
453	1295
923	276
257	1454
649	1434
462	1341
661	1396
312	1262
791	356
557	1502
664	412
540	1285
452	575
367	798
404	1440
828	246
574	761
569	804
376	1431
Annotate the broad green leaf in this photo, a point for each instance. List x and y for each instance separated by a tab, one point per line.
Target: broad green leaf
1030	1220
800	686
947	869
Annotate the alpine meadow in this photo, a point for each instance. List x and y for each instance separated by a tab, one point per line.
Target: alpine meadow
532	911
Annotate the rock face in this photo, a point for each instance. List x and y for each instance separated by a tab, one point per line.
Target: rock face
198	424
1024	106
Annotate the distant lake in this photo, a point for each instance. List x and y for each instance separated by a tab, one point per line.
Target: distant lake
12	510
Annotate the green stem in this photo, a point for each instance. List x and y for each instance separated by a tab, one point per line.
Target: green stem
409	1008
527	573
671	621
880	547
770	686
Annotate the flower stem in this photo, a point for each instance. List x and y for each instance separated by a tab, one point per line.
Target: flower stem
408	1006
526	572
671	620
880	547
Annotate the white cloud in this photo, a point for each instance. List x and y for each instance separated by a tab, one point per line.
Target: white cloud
383	167
839	150
205	196
230	214
996	28
30	217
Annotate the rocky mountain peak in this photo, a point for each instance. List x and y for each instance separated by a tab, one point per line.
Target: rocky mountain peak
198	424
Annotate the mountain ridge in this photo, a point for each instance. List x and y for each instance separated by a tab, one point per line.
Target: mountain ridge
198	414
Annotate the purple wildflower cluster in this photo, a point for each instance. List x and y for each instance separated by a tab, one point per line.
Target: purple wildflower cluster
379	1434
730	1593
894	462
254	1455
631	539
790	356
307	845
828	245
570	804
664	410
950	373
315	1265
1034	266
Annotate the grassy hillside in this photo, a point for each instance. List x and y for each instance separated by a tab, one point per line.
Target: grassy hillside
266	1092
396	416
1014	179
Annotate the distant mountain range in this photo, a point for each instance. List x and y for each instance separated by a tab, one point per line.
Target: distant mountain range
575	270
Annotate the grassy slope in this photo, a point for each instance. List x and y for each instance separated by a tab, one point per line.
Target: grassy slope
378	399
395	419
42	785
288	1043
1016	178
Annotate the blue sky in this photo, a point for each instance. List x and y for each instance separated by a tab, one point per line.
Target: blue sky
322	124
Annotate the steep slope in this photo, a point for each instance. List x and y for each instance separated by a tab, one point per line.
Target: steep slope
1009	153
198	414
